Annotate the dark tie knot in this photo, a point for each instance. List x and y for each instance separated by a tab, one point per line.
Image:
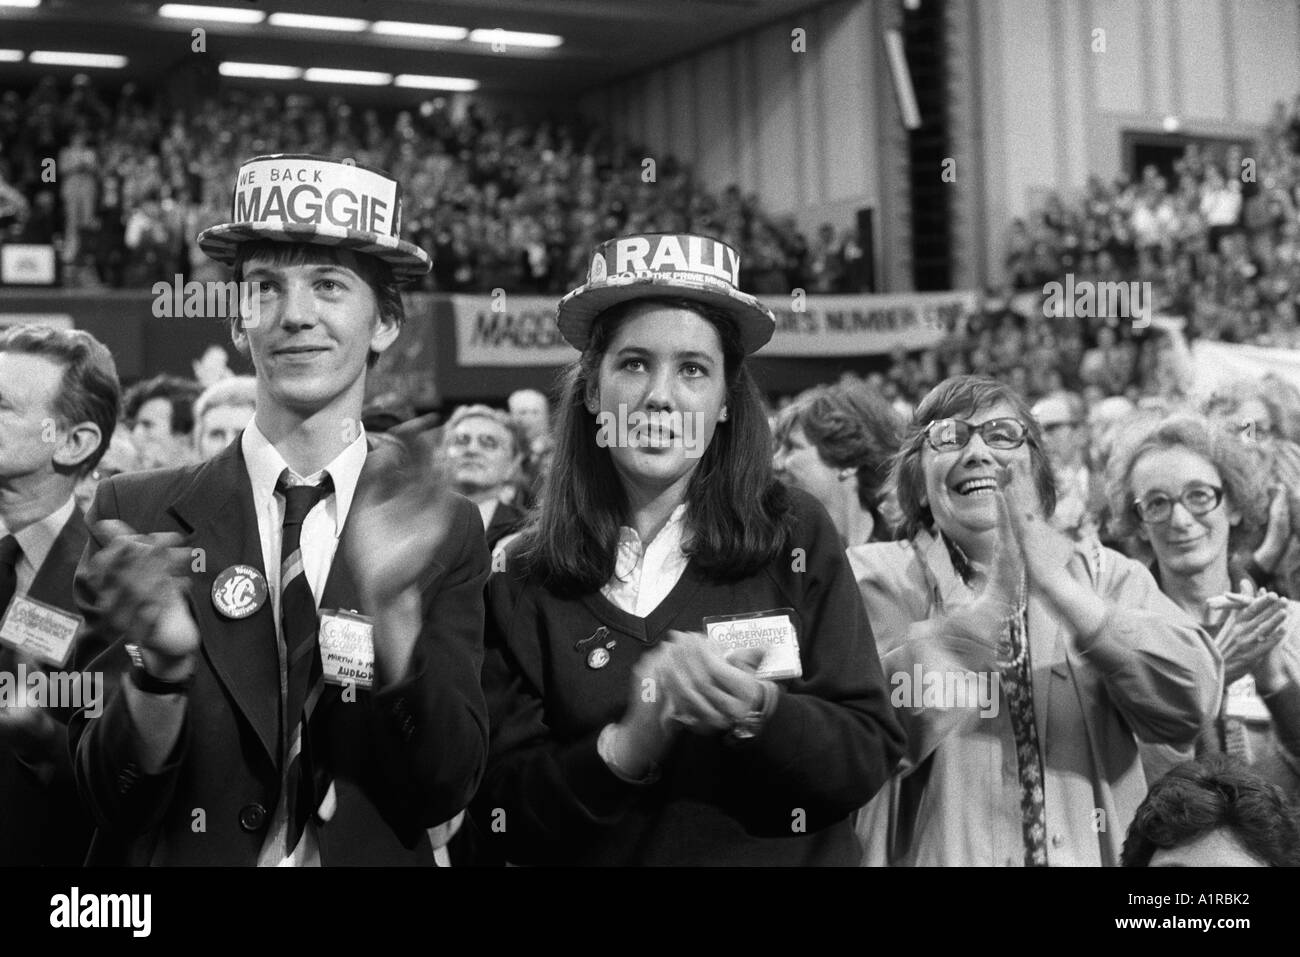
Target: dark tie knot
9	552
301	499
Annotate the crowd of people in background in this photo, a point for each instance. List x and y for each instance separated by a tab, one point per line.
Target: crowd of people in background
507	204
1160	530
498	202
1219	241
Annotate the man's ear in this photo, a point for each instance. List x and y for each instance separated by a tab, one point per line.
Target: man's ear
78	444
385	333
238	336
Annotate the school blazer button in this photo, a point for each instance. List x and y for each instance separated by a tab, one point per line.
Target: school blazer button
252	817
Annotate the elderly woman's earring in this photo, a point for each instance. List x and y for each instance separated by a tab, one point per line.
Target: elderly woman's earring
846	473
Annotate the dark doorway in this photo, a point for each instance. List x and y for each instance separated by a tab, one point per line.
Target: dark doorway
1143	148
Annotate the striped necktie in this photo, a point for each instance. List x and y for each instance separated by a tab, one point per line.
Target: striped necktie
304	769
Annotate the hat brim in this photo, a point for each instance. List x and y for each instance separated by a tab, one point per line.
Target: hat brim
579	308
407	260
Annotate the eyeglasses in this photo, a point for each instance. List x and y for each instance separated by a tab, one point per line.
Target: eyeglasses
949	435
1158	507
488	443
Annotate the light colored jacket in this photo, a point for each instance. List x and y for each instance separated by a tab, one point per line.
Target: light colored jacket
1152	675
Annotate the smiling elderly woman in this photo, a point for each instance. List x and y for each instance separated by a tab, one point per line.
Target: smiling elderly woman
1084	655
1188	493
621	732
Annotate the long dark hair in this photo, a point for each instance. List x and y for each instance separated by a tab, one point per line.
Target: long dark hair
736	508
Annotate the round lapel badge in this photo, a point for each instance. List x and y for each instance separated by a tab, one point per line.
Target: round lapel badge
239	591
598	658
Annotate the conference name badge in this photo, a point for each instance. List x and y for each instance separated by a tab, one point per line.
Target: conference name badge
39	630
772	630
347	648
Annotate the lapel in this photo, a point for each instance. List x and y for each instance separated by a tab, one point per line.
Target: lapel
53	581
340	589
1047	651
947	590
218	509
504	520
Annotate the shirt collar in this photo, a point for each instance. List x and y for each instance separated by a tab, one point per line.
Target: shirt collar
265	465
626	533
37	539
631	548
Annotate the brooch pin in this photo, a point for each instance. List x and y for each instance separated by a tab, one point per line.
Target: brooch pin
598	657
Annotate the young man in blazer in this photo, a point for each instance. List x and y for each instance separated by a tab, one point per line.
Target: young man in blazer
271	704
59	399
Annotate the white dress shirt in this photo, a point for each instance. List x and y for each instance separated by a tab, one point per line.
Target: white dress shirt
36	540
487	509
319	541
645	574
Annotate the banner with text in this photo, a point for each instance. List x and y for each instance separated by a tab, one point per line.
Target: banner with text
509	330
1220	363
864	325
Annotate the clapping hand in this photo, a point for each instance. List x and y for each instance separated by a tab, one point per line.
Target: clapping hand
139	581
400	519
1251	632
708	692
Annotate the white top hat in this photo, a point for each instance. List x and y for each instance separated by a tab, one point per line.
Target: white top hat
659	266
298	198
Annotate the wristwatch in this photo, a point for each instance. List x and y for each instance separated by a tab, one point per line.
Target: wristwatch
144	681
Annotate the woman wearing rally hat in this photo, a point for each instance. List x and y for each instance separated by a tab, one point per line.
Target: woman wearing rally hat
679	669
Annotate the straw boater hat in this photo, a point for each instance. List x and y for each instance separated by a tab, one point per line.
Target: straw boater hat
297	198
659	266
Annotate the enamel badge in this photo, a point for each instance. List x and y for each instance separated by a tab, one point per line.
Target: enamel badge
239	591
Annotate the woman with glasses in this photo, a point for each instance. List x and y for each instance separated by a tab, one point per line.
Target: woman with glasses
679	669
1025	667
1187	494
1264	413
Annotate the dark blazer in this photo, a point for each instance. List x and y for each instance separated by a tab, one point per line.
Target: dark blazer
783	797
507	518
42	821
403	758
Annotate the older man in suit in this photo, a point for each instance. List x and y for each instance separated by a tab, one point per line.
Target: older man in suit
485	450
59	398
297	623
